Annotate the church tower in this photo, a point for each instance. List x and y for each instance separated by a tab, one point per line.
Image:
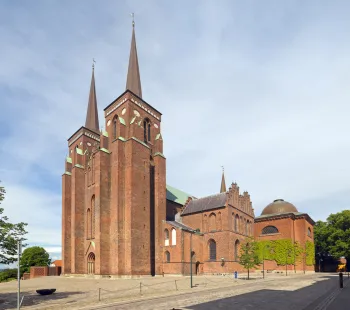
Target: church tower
114	186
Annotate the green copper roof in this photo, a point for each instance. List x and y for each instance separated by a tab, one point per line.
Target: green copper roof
121	120
79	151
176	195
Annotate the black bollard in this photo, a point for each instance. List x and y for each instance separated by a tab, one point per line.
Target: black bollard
341	279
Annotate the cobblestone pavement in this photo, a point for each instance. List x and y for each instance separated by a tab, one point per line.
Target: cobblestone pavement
281	294
148	293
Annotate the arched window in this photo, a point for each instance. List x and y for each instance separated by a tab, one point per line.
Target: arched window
269	230
91	263
173	236
246	227
212	249
115	124
146	130
167	257
236	253
212	222
219	221
93	211
166	236
309	232
88	224
236	223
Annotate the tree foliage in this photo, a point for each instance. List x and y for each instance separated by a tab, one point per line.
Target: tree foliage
332	237
9	234
34	256
284	251
8	275
249	257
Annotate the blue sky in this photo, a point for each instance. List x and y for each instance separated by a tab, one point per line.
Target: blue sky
260	87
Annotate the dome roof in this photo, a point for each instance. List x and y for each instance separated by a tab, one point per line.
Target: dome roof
279	206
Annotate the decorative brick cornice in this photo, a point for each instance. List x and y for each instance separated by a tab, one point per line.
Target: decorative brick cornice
83	131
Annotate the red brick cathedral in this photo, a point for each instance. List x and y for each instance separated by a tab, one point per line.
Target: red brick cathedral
119	218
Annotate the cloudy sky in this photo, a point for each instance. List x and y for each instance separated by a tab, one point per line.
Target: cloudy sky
260	87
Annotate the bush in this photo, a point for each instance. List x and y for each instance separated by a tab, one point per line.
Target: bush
8	274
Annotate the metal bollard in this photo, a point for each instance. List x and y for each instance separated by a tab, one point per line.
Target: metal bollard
341	282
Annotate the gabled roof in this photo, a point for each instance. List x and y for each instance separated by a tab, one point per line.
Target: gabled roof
176	195
180	225
205	204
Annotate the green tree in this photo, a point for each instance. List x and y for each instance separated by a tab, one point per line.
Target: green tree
8	274
9	235
249	257
34	256
332	237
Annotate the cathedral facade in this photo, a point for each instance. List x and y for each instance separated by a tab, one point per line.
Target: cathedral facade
120	218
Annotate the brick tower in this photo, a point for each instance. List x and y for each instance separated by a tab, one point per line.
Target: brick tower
114	187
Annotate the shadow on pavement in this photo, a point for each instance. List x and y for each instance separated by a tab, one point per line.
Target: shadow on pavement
9	300
306	298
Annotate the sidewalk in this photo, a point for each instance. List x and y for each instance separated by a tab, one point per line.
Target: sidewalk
342	300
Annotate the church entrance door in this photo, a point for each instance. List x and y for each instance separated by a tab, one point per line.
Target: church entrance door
91	263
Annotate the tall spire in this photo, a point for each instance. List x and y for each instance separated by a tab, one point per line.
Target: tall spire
92	114
223	184
133	82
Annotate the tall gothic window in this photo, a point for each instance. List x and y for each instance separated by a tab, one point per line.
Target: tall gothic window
236	222
212	249
236	250
173	236
146	130
115	123
88	224
93	212
166	237
309	232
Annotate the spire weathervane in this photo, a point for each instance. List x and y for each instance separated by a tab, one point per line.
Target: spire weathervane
133	20
93	63
223	169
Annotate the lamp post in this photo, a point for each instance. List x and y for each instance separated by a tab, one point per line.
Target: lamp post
19	250
196	232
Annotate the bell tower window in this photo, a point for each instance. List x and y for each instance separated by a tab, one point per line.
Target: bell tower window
146	130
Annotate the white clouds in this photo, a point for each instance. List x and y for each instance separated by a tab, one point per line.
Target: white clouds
260	89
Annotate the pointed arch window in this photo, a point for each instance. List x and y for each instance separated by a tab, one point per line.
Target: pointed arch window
236	222
167	257
309	232
166	237
173	236
212	249
93	211
88	224
146	130
236	252
115	125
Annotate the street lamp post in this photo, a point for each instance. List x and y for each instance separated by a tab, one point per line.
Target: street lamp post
19	250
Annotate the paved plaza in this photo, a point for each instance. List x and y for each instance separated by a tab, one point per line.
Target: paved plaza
296	291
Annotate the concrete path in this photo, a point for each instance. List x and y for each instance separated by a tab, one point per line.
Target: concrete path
294	293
